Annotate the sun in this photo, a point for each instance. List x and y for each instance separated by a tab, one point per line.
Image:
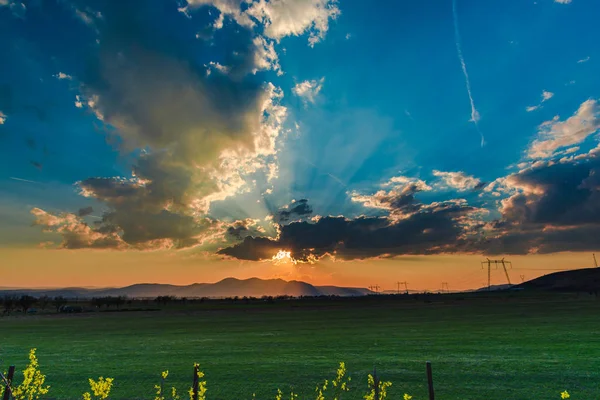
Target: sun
283	257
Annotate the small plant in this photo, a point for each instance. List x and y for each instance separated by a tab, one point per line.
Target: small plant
565	395
339	384
201	384
32	386
380	387
160	391
100	389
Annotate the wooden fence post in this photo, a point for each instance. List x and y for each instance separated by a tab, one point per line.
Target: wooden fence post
430	381
376	383
9	377
195	384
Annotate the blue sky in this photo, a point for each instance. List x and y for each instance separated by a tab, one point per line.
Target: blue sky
323	128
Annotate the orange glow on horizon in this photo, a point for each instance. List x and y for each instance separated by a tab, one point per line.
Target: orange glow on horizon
31	268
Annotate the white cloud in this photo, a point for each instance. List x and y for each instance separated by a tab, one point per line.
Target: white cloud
279	18
583	60
229	8
216	66
265	56
555	134
546	95
308	90
456	180
562	1
283	18
348	36
62	75
2	118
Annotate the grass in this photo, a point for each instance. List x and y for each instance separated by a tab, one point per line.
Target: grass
514	346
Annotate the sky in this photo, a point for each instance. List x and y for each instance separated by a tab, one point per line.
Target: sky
336	142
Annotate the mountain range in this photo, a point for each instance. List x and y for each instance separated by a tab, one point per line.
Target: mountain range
229	287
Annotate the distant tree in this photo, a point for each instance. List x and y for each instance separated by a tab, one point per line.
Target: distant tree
97	302
43	302
26	302
58	302
9	304
119	301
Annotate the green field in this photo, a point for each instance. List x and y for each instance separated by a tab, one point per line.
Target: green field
516	346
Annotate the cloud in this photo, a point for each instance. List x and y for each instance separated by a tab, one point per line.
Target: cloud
563	1
546	95
555	207
437	228
265	56
555	134
283	18
308	90
62	75
399	201
278	18
75	233
583	60
2	118
202	134
229	8
299	208
457	180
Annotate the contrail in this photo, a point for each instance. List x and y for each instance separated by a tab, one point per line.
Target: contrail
474	113
22	180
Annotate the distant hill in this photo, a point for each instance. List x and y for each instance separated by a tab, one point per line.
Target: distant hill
578	280
494	288
229	287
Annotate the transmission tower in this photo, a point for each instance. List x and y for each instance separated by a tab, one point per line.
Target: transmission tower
374	288
522	278
445	285
496	262
405	286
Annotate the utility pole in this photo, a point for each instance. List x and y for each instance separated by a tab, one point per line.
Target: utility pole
398	283
374	288
522	278
595	262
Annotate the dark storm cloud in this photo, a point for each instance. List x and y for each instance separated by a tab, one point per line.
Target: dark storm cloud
299	208
558	194
243	228
558	209
435	229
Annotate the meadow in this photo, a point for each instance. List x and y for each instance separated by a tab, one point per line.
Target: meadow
492	346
